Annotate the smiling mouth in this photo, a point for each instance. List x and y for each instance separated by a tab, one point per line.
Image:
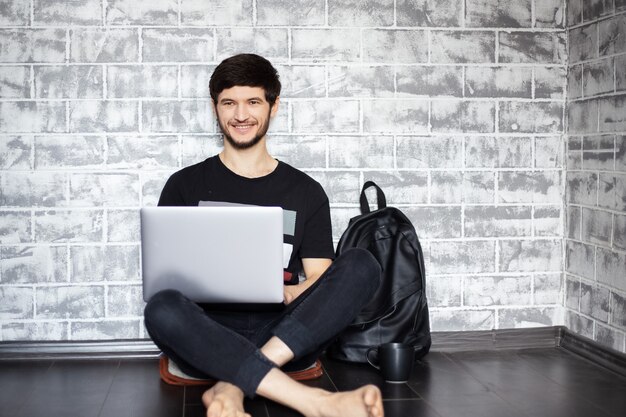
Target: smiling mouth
243	128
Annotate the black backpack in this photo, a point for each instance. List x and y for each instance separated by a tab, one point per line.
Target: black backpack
398	312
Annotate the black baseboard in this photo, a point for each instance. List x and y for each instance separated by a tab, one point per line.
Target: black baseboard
503	339
593	351
88	350
532	338
543	337
529	338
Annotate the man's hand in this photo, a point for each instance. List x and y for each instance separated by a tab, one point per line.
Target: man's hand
291	292
313	269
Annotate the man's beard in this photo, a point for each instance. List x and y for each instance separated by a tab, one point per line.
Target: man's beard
252	142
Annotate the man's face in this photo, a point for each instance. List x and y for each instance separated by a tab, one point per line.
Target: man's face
244	115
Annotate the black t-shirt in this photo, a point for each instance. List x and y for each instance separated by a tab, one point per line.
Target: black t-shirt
307	226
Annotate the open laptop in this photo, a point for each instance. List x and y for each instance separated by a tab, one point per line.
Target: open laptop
213	254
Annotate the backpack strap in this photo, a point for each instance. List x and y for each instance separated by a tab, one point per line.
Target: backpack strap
380	197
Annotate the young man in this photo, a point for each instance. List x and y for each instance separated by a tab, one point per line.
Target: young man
248	350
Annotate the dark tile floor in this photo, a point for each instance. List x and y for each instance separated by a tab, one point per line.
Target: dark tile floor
530	383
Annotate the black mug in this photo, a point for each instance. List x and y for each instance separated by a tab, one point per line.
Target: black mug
395	361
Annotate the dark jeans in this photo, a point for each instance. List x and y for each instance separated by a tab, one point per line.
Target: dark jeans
225	345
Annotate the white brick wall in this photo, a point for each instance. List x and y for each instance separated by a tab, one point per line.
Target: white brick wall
455	107
596	172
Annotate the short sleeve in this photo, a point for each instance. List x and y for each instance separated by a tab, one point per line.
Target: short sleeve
317	239
172	195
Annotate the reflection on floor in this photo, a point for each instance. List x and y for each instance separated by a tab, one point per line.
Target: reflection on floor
532	383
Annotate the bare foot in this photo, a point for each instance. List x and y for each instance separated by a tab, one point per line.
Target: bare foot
224	400
366	401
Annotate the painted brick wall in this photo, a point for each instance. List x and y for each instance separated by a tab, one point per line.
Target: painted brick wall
455	107
596	172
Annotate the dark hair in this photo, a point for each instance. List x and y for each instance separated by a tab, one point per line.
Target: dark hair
247	70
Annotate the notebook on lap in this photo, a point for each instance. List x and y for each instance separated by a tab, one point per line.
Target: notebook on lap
213	254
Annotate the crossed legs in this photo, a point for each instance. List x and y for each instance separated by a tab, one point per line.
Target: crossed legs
226	400
249	365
